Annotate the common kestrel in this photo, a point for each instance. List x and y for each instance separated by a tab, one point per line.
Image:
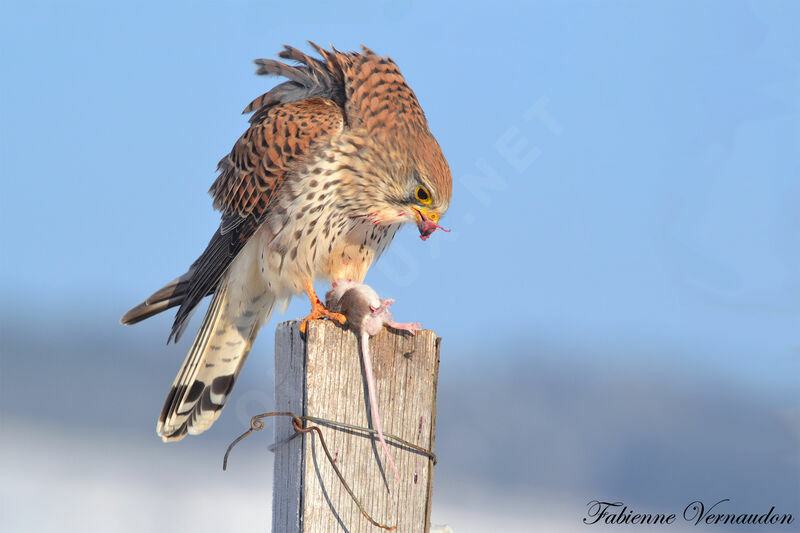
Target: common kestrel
334	162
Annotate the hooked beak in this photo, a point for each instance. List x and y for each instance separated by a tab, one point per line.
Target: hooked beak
427	222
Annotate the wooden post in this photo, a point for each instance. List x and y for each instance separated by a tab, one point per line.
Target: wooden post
323	377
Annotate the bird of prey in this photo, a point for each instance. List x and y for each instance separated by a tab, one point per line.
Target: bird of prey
334	162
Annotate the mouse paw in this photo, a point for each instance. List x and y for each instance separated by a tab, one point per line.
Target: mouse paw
383	308
411	327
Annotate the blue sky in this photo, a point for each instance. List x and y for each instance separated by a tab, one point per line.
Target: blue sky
624	230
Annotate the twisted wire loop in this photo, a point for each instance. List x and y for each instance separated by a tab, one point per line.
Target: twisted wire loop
256	424
298	422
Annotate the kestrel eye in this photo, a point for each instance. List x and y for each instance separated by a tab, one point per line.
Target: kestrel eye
423	195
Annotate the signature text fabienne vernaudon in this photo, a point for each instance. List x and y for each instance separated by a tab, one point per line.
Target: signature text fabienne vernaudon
696	513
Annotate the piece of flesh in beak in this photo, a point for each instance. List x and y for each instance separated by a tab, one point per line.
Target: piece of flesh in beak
426	222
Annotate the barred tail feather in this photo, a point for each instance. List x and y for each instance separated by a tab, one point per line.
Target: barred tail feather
215	359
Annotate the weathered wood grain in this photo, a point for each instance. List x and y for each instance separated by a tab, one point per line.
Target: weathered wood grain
324	378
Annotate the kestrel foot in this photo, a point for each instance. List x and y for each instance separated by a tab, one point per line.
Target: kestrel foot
318	310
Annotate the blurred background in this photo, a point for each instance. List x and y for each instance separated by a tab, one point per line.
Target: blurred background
621	285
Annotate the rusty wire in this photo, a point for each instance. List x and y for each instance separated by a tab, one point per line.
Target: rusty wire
298	422
388	436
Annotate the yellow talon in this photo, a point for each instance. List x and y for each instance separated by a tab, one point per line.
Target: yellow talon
318	309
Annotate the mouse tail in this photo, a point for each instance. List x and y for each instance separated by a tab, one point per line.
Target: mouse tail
373	401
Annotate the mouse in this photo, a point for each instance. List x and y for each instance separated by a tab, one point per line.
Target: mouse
366	315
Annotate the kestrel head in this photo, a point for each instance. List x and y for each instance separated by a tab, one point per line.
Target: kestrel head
411	182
